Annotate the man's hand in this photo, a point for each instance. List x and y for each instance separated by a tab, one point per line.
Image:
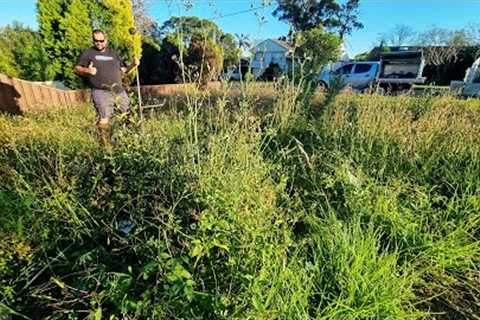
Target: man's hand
135	63
85	71
91	70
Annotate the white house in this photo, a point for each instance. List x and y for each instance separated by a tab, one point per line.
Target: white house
270	51
280	52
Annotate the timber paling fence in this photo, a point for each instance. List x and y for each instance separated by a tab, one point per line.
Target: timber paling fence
19	96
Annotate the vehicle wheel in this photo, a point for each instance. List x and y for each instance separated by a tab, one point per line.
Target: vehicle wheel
380	91
322	86
407	92
368	90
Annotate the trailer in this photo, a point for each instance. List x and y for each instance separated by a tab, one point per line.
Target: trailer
470	86
399	71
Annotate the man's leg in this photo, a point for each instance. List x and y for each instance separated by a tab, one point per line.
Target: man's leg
123	103
103	102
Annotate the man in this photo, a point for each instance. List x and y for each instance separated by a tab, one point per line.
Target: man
104	69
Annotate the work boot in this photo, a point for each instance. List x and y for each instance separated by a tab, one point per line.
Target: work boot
104	133
128	120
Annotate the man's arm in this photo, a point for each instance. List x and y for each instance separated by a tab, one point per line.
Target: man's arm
85	71
133	65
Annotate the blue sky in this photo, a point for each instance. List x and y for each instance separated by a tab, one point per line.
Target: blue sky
378	16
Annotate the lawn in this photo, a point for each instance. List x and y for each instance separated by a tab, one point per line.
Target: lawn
293	207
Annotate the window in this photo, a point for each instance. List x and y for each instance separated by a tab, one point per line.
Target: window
259	56
345	69
362	68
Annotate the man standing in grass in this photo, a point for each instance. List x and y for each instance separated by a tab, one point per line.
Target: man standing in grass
104	69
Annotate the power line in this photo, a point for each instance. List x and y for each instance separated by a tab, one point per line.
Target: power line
240	12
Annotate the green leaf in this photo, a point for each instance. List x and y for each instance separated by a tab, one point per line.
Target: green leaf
197	249
98	314
220	245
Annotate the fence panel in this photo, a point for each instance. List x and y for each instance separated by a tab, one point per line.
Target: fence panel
18	96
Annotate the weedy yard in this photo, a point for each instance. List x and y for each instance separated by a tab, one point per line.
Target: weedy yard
336	207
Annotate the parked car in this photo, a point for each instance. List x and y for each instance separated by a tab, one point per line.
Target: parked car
358	75
470	86
231	74
395	71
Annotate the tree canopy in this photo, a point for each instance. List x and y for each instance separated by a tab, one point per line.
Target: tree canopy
304	15
23	54
188	26
198	45
204	59
316	47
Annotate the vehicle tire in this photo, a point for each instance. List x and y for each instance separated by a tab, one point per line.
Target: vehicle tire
380	91
322	86
369	90
407	92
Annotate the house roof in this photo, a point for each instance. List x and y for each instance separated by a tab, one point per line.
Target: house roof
281	43
284	44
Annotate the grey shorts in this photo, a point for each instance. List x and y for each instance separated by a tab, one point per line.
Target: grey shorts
105	100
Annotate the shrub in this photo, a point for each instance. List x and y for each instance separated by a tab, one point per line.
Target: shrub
204	59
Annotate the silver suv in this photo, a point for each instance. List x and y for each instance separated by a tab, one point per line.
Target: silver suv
358	75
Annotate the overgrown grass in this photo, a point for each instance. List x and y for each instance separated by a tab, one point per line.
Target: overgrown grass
340	207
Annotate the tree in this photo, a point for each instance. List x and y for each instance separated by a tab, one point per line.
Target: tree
160	62
316	47
171	50
7	64
187	26
442	45
143	21
244	43
117	20
75	27
399	35
49	17
174	61
22	53
347	18
307	14
472	31
231	52
197	45
64	27
204	59
304	15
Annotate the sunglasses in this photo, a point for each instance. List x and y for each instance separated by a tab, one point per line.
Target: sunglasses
101	41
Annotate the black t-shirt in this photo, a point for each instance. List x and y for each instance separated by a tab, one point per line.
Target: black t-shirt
108	64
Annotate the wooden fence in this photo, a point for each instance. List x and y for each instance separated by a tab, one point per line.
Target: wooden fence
18	96
162	90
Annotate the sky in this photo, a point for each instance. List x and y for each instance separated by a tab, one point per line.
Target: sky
238	16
